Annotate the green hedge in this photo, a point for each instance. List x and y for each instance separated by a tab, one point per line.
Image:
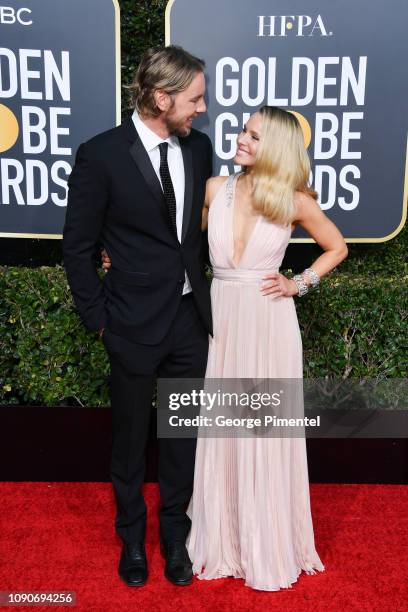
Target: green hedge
354	326
46	355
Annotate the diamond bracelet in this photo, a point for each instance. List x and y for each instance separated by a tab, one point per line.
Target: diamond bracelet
313	276
301	285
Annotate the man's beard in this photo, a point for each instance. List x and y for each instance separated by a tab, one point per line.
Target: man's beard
177	128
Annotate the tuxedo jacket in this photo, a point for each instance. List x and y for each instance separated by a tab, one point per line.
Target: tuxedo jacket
115	198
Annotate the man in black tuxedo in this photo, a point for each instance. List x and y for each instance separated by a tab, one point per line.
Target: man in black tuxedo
139	189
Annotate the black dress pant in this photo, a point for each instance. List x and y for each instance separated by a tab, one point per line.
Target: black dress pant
134	370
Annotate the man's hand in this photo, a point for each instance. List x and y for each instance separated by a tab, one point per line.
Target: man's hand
106	262
100	332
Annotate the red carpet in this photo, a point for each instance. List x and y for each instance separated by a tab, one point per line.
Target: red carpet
59	536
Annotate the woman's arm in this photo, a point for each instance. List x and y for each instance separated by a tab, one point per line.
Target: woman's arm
211	188
323	231
310	216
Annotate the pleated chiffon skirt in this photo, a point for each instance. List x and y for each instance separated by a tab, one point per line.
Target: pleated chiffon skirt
250	510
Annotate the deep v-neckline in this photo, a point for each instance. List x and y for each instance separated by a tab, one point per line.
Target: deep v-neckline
232	235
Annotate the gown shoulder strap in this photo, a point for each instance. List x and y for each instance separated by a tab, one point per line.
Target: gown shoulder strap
230	184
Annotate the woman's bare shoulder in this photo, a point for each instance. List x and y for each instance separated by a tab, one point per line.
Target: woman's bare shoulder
304	202
212	186
303	199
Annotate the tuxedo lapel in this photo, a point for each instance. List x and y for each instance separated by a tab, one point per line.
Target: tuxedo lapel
142	160
188	185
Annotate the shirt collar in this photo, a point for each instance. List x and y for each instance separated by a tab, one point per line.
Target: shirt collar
150	139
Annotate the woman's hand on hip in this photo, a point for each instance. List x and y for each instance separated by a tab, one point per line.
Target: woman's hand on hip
278	285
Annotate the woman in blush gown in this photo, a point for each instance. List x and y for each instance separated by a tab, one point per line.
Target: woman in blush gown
250	509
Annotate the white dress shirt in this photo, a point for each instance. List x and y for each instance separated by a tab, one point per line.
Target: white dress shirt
151	141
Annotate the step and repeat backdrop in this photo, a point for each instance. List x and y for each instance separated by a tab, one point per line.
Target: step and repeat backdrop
59	86
339	66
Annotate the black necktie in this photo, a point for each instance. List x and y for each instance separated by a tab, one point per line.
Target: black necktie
167	184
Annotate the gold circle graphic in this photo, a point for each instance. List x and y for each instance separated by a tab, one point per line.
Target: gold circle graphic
289	25
8	128
306	129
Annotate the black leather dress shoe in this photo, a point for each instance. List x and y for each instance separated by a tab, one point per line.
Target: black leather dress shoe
133	564
178	568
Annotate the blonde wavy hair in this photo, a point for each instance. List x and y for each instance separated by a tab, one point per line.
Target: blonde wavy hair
282	166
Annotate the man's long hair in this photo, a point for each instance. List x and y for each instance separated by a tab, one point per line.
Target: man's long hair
170	69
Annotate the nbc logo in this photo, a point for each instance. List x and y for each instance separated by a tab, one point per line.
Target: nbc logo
9	15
